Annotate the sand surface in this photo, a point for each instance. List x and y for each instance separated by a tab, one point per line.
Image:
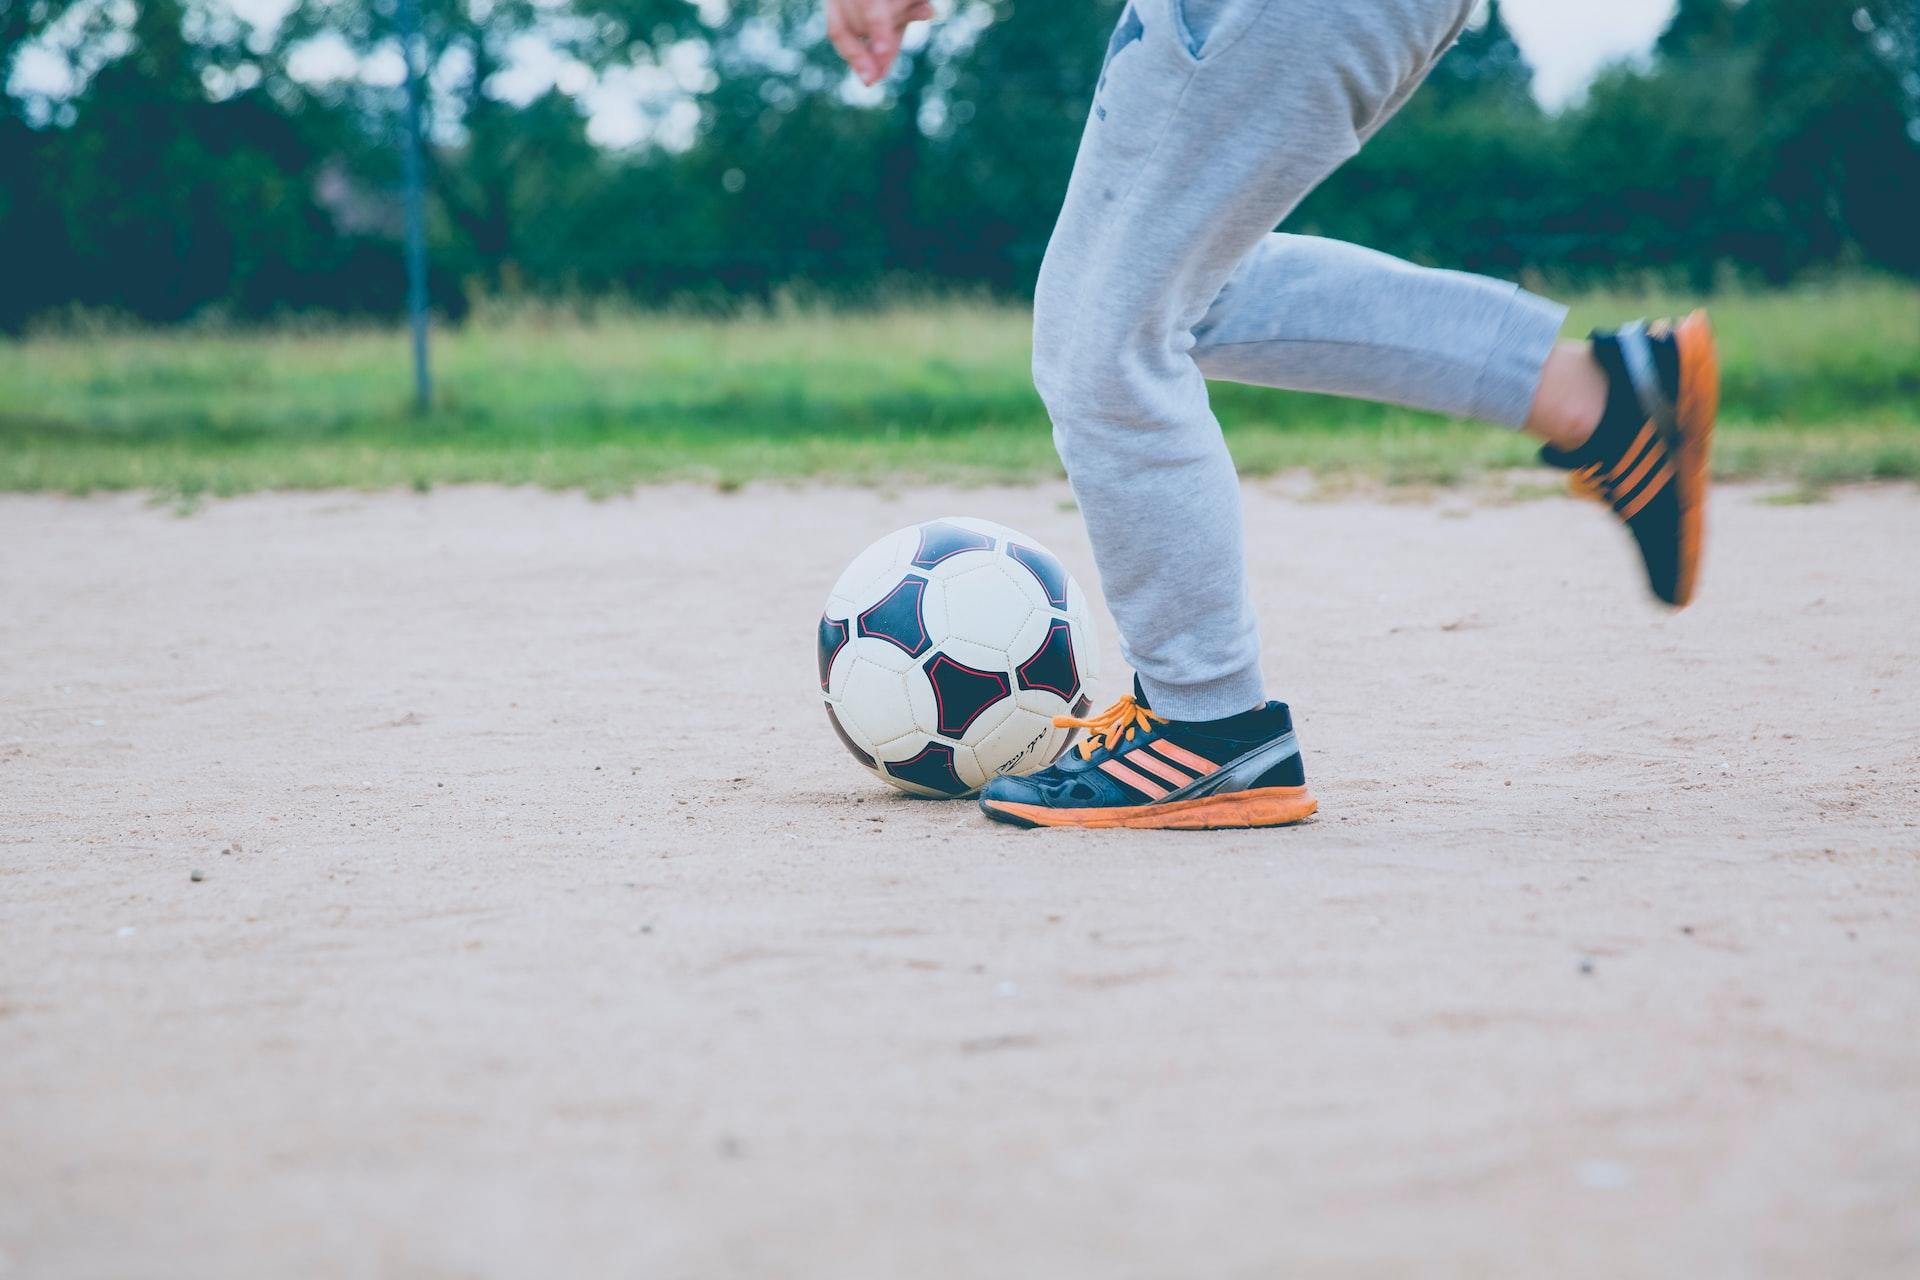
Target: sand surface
544	930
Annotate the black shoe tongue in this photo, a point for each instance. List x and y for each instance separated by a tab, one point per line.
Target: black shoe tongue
1624	416
1140	694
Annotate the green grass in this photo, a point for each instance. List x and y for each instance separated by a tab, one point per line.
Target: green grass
1822	385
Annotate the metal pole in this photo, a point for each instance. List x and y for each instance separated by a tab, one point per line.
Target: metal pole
1910	74
416	211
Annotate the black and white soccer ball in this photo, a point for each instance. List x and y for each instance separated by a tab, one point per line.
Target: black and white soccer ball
947	648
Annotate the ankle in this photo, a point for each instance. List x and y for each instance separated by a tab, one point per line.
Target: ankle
1571	398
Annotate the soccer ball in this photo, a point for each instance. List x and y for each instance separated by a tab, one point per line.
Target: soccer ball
947	648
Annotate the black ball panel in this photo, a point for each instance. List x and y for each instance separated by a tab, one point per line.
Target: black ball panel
940	541
1052	667
1051	574
898	618
833	638
962	694
846	739
932	769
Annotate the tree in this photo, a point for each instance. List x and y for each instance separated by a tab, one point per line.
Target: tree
193	172
467	44
1486	66
1012	104
1696	25
170	199
1845	166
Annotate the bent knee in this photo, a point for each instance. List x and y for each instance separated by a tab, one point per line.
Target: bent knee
1102	378
1084	388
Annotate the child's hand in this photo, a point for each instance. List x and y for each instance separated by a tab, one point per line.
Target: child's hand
867	32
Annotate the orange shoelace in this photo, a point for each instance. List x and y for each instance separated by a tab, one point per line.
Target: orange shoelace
1116	724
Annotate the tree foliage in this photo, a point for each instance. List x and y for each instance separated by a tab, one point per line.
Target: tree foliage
195	171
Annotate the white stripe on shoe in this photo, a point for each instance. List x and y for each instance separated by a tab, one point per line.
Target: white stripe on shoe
1150	789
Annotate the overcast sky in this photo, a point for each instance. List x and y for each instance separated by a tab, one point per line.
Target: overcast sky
1568	40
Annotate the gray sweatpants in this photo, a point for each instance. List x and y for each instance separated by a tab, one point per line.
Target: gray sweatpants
1213	119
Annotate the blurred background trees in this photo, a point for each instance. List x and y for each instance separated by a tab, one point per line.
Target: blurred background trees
193	162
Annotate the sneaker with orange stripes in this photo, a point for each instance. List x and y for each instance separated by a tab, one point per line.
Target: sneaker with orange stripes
1648	458
1137	769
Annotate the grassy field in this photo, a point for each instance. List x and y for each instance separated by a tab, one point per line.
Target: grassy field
1822	384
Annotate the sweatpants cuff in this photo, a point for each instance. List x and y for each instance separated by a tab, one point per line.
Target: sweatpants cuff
1228	696
1511	376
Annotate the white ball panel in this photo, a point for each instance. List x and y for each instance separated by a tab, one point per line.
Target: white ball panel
981	657
849	727
965	562
1029	585
1040	702
1020	744
967	765
987	607
1032	634
921	708
873	572
1086	649
1056	745
880	653
873	703
990	721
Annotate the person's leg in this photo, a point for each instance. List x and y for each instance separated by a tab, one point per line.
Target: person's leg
1479	348
1452	343
1309	314
1212	120
1188	161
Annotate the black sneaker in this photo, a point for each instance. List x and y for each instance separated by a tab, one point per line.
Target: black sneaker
1648	457
1136	769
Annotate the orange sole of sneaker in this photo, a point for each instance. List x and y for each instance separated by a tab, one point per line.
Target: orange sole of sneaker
1262	807
1697	411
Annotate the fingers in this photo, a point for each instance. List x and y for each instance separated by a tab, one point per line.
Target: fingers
866	33
848	41
882	23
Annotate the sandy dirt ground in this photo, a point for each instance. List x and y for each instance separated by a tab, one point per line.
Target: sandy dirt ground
541	928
